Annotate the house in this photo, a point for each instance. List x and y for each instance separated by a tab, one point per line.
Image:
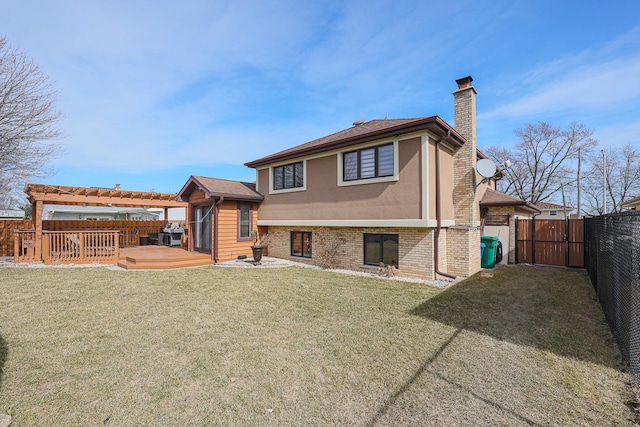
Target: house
553	211
632	204
396	191
221	216
498	213
70	212
11	214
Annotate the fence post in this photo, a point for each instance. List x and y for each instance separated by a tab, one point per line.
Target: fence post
117	247
533	241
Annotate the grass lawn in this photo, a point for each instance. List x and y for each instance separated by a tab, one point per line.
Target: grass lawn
295	346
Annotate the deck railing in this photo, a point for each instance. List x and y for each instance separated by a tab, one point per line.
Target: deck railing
24	249
68	247
80	247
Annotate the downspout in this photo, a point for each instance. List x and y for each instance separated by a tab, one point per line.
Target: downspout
438	211
215	228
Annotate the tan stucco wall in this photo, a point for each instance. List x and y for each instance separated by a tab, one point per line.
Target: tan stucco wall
323	199
446	182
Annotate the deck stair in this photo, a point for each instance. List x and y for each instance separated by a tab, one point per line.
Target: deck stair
160	258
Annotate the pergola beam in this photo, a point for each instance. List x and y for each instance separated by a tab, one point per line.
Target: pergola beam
71	199
94	196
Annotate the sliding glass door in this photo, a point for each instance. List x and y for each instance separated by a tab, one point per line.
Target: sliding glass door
202	235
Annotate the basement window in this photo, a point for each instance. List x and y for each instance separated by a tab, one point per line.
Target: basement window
381	248
301	244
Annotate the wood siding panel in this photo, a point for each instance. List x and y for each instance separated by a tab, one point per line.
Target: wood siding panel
198	196
229	248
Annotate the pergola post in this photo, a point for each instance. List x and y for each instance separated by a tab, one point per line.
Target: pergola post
36	218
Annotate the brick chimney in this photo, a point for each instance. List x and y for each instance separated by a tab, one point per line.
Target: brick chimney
464	106
463	239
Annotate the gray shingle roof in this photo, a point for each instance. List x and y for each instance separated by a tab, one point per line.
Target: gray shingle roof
215	188
367	131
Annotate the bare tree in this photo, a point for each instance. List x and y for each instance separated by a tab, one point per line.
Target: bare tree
28	119
623	179
543	160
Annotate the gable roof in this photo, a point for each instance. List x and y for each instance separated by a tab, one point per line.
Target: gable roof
369	131
493	198
546	206
631	202
217	188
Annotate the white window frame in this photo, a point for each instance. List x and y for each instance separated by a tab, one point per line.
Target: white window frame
394	177
553	212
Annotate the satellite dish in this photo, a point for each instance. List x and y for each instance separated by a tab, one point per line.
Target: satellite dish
486	168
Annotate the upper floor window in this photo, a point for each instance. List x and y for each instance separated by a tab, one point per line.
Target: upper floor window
373	162
288	176
553	213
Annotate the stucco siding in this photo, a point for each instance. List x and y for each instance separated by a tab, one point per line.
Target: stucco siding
323	199
446	182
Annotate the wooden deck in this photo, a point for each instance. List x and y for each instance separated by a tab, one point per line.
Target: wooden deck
160	258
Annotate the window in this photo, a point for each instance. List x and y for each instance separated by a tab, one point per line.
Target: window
381	248
553	213
244	221
288	176
367	163
301	244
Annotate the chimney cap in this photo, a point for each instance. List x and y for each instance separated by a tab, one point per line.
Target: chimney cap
464	82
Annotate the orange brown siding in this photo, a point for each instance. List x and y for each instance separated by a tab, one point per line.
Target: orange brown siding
229	248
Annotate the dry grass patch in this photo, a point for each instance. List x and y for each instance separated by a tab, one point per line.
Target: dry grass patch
298	346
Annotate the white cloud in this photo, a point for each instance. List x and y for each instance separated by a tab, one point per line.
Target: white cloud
590	80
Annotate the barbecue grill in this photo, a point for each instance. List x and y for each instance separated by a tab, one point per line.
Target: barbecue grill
171	235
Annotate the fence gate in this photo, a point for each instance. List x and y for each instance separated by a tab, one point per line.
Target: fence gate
550	241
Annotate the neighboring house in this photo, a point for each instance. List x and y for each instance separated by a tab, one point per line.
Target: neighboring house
632	204
553	211
221	216
103	213
11	214
393	191
499	213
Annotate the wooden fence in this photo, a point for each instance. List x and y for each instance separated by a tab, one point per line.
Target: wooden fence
7	226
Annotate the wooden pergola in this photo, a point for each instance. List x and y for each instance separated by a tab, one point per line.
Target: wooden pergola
41	194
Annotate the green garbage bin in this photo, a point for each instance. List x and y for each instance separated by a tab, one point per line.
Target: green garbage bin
488	257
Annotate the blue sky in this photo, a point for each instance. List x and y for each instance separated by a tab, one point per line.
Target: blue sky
156	91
